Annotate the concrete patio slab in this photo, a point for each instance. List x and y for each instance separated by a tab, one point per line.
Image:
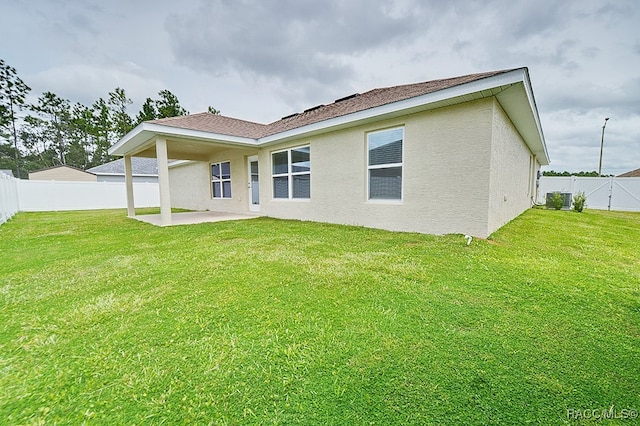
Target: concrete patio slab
190	218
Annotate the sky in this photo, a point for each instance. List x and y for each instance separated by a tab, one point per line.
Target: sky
260	60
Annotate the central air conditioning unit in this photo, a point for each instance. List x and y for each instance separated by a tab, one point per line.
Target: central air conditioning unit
566	200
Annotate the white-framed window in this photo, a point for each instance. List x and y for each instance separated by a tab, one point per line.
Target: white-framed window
221	180
385	164
291	173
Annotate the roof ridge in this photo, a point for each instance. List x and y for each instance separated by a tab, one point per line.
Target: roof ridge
460	77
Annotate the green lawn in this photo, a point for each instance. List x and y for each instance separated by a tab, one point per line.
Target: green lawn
106	320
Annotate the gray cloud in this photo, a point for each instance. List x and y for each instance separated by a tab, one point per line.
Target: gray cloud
620	98
532	18
288	40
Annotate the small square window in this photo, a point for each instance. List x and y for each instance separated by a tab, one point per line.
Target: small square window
221	180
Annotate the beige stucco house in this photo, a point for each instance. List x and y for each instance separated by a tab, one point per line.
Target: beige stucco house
458	155
63	173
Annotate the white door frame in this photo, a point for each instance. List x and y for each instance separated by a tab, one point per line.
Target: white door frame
254	205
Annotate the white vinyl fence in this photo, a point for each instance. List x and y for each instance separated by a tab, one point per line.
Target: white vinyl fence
39	196
605	193
8	197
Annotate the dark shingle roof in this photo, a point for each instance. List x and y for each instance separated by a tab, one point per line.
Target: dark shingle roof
354	103
140	166
214	123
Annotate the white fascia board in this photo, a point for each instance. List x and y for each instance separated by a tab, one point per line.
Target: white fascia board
515	76
201	135
145	131
534	109
135	133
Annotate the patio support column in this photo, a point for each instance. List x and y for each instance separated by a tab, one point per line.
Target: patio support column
163	180
128	178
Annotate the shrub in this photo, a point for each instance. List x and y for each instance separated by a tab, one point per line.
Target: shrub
579	201
556	201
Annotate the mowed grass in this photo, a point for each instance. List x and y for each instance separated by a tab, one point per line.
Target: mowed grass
106	320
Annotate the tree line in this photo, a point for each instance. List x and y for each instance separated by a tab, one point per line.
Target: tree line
58	132
577	174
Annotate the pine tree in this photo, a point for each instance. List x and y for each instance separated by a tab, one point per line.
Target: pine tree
168	105
102	131
57	115
118	103
147	112
12	99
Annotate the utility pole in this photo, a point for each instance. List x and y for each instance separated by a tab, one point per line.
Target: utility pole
601	145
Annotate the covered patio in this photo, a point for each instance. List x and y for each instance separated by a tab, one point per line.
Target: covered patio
187	138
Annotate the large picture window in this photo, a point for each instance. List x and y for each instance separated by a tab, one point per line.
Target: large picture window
291	171
384	164
221	180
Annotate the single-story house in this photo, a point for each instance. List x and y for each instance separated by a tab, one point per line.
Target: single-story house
63	173
632	173
458	155
143	170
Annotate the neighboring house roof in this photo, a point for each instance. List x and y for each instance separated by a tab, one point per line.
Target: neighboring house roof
511	87
632	173
61	166
62	173
139	166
